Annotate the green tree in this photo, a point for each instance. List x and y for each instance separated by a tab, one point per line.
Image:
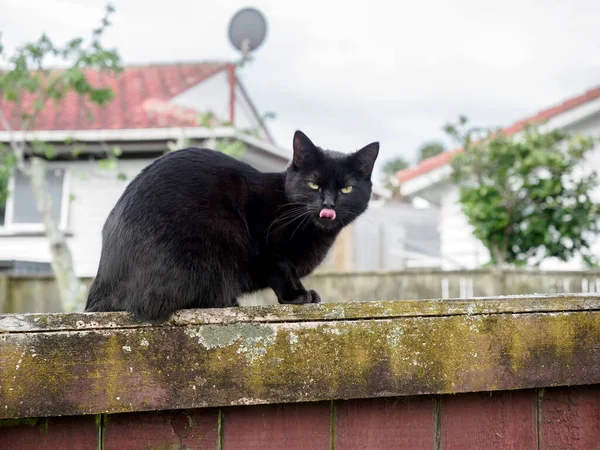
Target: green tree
29	76
391	167
526	196
430	149
6	164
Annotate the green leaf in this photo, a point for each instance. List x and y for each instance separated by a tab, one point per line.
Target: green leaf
205	120
235	149
38	104
107	164
77	150
42	148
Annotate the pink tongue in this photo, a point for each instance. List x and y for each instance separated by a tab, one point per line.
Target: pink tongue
327	213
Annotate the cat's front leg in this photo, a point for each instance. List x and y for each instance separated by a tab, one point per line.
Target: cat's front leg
288	288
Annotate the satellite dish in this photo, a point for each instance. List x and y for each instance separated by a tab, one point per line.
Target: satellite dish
247	30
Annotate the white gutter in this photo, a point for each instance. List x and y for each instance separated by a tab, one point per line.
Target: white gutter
267	146
422	182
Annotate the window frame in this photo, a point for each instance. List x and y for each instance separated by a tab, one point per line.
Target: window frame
10	228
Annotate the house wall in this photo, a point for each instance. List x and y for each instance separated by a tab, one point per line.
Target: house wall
245	116
460	249
210	95
395	236
213	95
95	192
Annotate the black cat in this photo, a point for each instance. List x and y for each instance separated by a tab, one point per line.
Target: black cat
197	229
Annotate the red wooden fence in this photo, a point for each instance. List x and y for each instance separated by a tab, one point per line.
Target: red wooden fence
506	373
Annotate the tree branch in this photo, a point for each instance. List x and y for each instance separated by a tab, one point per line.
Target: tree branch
17	147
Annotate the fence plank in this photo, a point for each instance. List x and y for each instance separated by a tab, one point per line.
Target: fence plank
273	427
386	423
55	433
498	420
570	418
190	429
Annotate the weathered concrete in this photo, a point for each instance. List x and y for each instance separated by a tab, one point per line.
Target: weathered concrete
70	364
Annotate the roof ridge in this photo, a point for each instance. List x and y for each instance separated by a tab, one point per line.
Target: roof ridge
178	63
215	63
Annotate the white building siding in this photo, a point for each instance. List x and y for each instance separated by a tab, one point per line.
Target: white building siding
213	95
210	95
458	247
95	192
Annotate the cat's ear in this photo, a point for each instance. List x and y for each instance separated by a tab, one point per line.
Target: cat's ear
303	149
364	159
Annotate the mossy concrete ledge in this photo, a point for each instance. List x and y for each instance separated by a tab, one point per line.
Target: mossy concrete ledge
90	363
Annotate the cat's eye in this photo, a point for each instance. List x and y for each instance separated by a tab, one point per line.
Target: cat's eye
313	185
346	190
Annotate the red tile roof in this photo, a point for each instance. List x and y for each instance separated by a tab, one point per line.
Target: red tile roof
442	159
138	90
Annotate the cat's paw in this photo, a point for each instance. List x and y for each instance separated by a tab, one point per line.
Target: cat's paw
315	298
306	297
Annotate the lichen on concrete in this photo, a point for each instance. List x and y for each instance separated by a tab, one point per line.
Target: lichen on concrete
251	340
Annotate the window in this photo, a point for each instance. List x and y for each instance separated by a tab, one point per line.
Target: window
21	210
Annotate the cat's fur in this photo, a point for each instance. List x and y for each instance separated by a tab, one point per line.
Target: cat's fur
197	229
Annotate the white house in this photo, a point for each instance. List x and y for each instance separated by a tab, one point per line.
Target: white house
154	105
429	180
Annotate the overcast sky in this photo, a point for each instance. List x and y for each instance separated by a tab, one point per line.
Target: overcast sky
349	73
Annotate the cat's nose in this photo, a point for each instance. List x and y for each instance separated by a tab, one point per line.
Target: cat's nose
329	202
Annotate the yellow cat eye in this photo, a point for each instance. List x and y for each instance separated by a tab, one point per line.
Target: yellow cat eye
313	185
347	189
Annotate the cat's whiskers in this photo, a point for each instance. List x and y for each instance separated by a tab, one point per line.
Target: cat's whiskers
291	204
281	226
357	212
303	221
286	215
287	218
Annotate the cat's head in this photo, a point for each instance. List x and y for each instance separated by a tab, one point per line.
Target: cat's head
333	187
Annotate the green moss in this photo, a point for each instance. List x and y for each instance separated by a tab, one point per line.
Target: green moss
332	424
42	320
100	424
219	443
17	422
